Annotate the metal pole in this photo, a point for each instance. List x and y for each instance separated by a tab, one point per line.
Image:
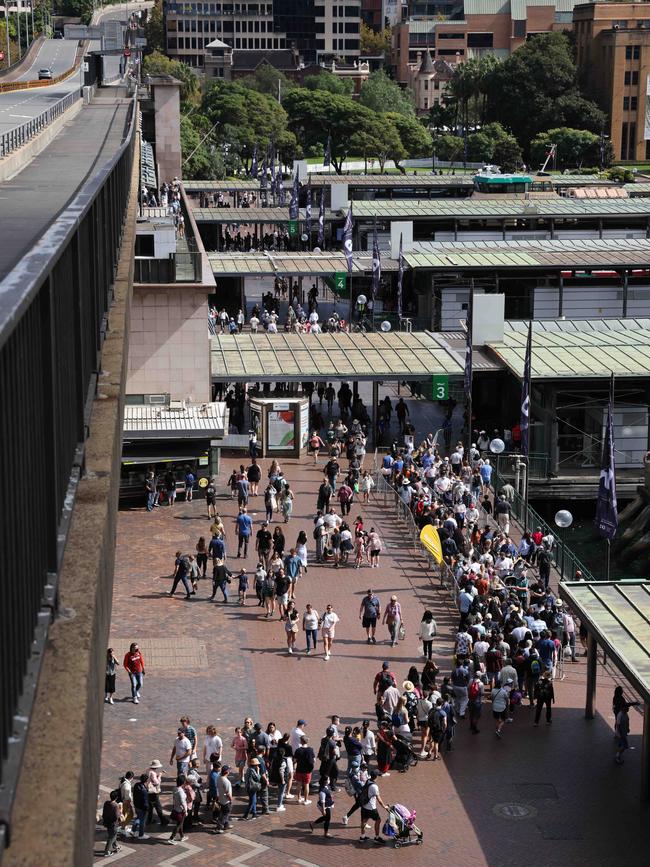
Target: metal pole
7	32
20	50
609	541
592	667
526	496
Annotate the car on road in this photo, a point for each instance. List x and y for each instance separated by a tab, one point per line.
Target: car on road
45	74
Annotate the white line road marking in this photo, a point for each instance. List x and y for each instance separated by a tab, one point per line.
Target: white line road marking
23	116
255	849
304	863
190	849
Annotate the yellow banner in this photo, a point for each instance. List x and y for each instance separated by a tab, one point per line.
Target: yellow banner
431	541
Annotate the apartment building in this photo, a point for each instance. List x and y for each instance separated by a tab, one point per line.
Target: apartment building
317	30
613	54
454	31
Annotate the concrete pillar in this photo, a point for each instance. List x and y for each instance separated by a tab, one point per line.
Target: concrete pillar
339	196
645	754
167	120
405	229
592	667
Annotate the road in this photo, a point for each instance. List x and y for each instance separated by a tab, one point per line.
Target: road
55	54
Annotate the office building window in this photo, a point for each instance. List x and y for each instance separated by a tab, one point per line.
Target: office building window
631	147
351	44
633	103
631	78
480	40
519	29
626	103
632	52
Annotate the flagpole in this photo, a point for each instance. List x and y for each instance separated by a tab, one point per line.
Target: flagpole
470	325
608	540
527	460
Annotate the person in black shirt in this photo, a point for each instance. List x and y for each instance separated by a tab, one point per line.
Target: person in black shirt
264	543
304	760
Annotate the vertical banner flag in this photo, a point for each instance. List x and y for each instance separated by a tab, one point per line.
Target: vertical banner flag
308	211
327	159
293	203
254	163
263	175
468	347
400	278
272	167
321	219
525	395
347	239
279	187
376	265
606	509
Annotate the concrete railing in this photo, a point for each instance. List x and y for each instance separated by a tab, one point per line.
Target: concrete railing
20	135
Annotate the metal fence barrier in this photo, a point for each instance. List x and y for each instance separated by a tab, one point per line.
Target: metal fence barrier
20	135
53	309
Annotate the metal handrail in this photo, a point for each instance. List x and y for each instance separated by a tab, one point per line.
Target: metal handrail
20	135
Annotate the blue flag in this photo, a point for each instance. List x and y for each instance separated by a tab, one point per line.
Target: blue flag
321	219
347	239
254	163
376	264
263	178
272	167
293	204
327	159
400	278
606	508
279	187
468	347
524	423
308	212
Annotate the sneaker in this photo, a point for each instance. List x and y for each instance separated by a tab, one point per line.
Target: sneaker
423	754
110	701
170	842
300	799
308	652
289	650
280	809
106	700
374	640
363	837
379	842
136	700
498	734
144	837
536	724
138	694
368	641
387	774
327	656
289	797
306	802
345	820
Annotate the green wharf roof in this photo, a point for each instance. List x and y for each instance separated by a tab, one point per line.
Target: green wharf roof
618	614
394	355
266	216
587	348
259	264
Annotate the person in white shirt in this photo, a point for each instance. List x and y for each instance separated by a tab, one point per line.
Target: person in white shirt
213	744
328	628
296	733
254	321
368	741
182	751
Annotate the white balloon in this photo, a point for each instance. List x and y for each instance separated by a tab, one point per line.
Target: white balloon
385	325
361	299
563	518
497	446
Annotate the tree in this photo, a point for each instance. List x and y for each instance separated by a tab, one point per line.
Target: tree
313	115
154	29
480	147
575	147
380	93
158	64
332	83
415	138
573	110
201	161
442	117
373	43
265	79
448	147
243	118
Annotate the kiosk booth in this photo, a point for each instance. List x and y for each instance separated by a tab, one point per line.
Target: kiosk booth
281	425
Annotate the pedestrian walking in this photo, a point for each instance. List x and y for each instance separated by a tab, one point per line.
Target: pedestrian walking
369	612
427	633
154	786
369	799
393	619
109	676
500	704
111	818
244	527
310	620
328	628
179	811
325	805
223	800
134	666
475	697
544	696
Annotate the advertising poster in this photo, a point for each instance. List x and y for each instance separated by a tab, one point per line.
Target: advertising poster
304	425
281	430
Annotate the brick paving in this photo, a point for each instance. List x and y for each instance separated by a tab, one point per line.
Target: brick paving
552	795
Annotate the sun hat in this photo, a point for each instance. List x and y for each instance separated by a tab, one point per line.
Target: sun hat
156	764
408	686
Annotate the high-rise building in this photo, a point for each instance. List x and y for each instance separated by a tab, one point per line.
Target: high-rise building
316	29
613	55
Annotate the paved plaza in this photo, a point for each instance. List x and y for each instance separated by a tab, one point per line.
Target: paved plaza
547	796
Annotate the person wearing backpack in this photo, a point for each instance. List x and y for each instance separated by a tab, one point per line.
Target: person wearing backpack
475	696
369	797
437	725
500	704
544	695
532	674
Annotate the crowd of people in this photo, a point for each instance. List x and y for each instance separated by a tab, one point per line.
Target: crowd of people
512	639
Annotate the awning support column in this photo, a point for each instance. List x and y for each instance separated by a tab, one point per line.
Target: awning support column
375	401
645	754
592	666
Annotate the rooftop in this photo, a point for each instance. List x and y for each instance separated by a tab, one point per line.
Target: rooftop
255	215
259	264
588	348
205	420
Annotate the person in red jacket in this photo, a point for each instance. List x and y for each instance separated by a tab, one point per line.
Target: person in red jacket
134	665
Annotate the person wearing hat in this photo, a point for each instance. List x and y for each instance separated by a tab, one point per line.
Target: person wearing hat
393	619
154	781
544	695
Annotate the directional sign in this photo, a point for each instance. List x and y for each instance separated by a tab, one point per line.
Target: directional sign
440	383
339	281
293	228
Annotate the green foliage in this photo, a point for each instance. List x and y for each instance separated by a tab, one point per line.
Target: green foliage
380	93
448	147
76	8
158	64
574	147
265	80
244	118
373	43
574	111
329	82
154	29
467	92
442	117
480	147
415	138
620	174
201	161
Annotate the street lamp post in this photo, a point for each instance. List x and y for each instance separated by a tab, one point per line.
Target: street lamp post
563	520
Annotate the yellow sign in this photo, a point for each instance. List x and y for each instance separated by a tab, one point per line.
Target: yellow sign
431	541
203	483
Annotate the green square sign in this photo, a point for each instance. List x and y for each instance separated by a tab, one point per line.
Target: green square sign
293	228
339	281
440	386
